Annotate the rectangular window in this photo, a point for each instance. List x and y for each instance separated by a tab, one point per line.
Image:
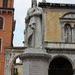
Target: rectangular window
5	3
1	23
0	45
68	32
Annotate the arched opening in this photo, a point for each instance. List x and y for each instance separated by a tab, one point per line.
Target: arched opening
60	66
17	66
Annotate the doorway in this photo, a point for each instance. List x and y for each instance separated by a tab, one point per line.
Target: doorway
60	66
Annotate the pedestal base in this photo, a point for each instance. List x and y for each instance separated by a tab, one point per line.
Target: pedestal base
35	62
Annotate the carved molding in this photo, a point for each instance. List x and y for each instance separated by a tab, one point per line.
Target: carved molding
60	45
34	56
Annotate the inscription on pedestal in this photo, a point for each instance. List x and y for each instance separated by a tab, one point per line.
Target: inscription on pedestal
35	68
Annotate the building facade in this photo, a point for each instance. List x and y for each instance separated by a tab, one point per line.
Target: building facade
59	37
6	30
50	39
49	46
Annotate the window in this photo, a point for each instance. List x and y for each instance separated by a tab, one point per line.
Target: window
73	34
0	45
5	3
68	33
67	22
1	23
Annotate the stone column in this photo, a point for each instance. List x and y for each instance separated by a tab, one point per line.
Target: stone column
7	64
35	62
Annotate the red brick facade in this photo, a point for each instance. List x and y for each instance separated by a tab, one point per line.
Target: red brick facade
6	33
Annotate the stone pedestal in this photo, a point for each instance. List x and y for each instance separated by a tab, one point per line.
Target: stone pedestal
35	62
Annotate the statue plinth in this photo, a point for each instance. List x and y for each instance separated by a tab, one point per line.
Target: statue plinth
35	61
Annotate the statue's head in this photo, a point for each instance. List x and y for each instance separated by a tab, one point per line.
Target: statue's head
44	1
34	3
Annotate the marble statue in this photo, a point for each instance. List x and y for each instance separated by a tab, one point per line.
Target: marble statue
34	26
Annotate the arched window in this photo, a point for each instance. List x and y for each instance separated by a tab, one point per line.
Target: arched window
68	28
17	66
0	44
68	33
73	34
1	23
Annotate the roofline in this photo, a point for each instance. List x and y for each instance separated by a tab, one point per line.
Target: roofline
56	5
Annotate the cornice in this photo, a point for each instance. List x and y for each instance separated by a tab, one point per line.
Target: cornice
34	56
56	5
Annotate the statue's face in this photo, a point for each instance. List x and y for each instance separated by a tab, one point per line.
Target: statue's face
34	3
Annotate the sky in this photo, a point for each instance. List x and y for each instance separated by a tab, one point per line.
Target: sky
21	7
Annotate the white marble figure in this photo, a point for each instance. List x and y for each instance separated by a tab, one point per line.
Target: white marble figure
34	26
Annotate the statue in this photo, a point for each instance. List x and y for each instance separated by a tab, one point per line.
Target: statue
34	26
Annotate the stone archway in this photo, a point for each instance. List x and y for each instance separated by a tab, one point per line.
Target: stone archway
17	66
60	66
